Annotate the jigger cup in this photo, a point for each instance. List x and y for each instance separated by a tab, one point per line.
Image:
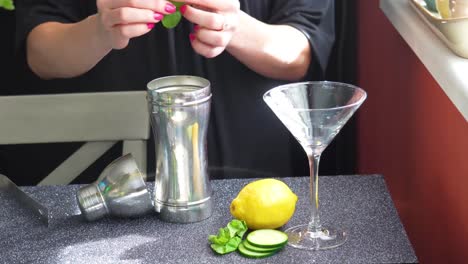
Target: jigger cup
120	191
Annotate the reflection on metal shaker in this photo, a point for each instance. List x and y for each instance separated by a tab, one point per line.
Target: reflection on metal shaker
180	109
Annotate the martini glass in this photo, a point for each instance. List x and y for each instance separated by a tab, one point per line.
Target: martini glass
314	113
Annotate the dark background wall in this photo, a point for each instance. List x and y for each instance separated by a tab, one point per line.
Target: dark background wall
28	164
7	27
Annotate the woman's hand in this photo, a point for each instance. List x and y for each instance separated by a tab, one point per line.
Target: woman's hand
215	20
121	20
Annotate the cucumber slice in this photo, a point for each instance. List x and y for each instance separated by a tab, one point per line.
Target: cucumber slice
267	238
253	254
251	247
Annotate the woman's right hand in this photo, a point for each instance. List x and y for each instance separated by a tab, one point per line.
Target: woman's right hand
121	20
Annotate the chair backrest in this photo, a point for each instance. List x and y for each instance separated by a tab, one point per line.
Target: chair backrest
100	119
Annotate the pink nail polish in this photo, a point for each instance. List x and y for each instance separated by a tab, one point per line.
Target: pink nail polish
196	28
192	37
158	16
170	8
150	25
183	9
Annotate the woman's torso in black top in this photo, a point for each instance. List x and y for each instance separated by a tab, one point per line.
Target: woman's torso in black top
243	132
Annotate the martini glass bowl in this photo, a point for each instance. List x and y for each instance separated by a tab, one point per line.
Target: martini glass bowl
314	113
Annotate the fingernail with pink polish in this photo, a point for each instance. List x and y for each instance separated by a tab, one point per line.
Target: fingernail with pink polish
192	37
183	9
196	28
158	16
150	25
170	8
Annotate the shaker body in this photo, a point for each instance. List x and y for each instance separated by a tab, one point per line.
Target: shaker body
179	111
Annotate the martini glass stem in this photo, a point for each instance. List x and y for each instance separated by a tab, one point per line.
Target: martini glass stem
314	224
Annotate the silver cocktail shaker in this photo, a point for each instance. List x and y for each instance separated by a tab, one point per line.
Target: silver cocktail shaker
180	109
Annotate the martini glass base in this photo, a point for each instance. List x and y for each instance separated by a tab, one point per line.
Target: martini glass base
327	238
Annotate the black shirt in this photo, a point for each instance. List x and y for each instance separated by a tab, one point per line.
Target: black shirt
243	132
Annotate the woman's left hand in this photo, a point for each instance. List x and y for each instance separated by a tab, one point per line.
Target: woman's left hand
215	23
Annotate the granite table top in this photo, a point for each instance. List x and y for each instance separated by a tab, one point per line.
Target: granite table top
360	203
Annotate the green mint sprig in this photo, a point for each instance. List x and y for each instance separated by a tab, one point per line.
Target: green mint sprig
7	4
172	20
228	238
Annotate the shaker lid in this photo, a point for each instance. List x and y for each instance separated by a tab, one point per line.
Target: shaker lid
91	202
178	90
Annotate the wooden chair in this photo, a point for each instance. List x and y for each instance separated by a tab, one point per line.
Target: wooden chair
99	119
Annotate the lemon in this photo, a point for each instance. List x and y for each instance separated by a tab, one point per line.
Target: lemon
266	203
443	6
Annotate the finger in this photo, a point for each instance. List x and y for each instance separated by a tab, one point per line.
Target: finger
161	6
203	49
213	37
128	15
132	30
218	5
203	18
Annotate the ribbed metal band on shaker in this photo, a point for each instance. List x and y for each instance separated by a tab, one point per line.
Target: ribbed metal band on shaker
184	214
91	203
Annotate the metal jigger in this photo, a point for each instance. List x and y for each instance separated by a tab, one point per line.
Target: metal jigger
120	191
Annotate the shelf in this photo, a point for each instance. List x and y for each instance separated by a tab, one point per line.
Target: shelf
448	69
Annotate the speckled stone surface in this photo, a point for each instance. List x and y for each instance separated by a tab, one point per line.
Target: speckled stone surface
360	203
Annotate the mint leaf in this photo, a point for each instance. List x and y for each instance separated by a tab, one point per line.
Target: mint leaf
228	238
220	249
171	20
222	237
178	4
7	4
233	244
237	227
229	247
